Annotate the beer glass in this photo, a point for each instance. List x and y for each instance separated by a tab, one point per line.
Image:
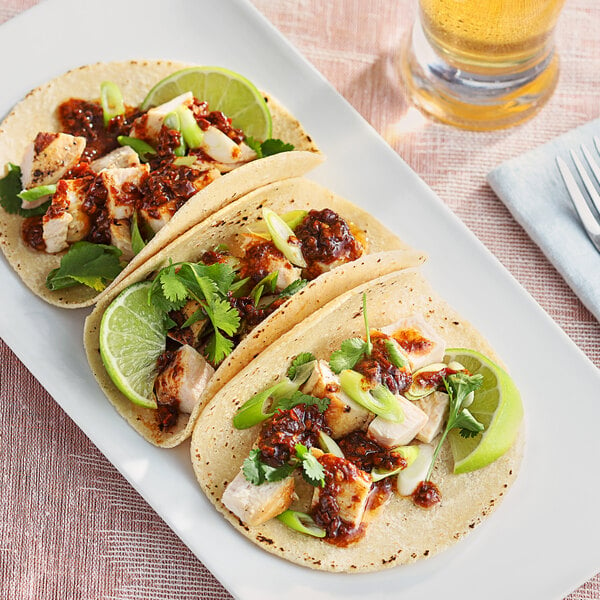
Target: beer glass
482	64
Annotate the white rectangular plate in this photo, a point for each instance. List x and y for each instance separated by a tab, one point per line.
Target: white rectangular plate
543	540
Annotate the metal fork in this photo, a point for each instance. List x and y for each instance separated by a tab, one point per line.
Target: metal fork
589	220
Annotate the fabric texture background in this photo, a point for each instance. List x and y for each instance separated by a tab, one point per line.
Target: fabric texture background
70	525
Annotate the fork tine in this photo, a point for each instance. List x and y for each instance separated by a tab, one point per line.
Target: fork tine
589	186
587	182
596	171
591	226
597	142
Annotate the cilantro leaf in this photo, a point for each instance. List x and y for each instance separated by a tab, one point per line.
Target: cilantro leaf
274	146
299	398
171	285
350	353
459	386
257	472
218	347
10	187
268	147
301	359
312	470
85	263
251	468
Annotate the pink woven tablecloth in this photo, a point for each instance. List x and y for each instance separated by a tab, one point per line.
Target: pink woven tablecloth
70	525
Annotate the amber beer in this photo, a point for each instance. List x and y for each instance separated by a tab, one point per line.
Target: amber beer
490	33
482	64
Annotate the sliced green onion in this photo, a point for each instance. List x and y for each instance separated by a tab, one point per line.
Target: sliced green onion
409	454
38	192
378	400
192	134
303	373
425	381
281	233
396	354
269	282
254	410
137	241
299	521
111	100
142	148
329	445
172	121
292	218
185	161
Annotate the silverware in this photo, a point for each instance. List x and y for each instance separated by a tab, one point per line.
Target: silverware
589	219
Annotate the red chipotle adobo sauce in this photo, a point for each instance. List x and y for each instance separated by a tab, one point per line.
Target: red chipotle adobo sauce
378	369
325	238
85	119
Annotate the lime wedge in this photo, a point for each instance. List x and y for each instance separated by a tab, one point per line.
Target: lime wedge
132	337
497	405
224	90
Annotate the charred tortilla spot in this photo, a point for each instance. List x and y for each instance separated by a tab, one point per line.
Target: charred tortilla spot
264	540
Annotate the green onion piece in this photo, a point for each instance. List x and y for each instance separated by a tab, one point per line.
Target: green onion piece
172	121
254	410
378	400
142	148
299	521
396	354
111	100
37	192
329	445
303	373
409	453
192	134
268	283
281	233
186	161
425	382
293	218
366	318
137	241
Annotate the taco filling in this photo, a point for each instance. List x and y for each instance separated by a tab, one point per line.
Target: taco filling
114	175
361	426
208	307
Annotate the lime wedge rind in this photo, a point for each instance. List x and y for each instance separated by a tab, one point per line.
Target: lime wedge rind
224	90
497	405
132	337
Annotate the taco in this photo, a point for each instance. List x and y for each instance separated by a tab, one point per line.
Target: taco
225	290
103	183
324	449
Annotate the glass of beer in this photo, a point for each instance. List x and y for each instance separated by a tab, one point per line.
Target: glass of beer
482	64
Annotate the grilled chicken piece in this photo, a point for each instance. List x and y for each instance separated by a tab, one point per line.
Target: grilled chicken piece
353	486
187	335
343	415
260	257
184	380
157	216
121	158
47	159
119	184
435	406
390	434
55	230
65	222
148	126
255	504
422	344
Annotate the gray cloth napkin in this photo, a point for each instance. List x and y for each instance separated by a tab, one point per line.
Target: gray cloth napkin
531	187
